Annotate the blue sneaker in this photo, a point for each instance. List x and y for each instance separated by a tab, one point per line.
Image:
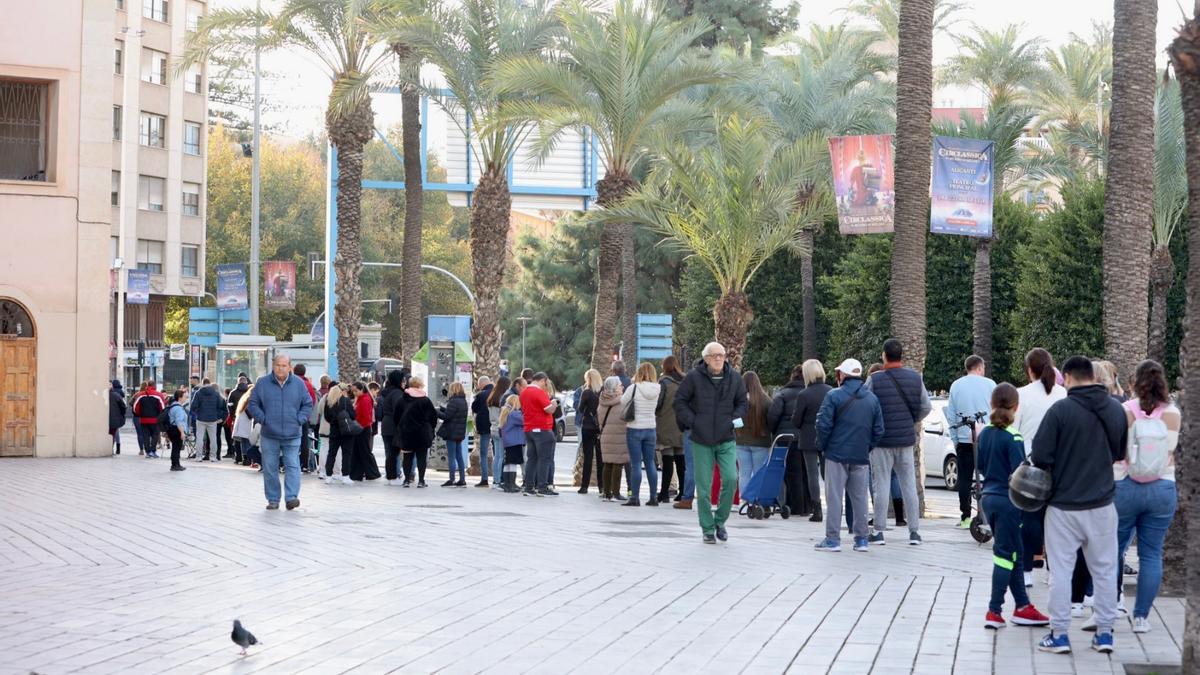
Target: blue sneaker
1058	644
1103	642
862	545
831	545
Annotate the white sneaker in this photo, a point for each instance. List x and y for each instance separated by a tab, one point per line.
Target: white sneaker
1076	610
1141	624
346	480
1028	579
390	481
1089	600
320	476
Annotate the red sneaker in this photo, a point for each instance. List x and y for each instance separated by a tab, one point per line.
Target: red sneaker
994	621
1029	616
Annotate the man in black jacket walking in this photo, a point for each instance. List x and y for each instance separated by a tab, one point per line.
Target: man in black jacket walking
1078	441
711	403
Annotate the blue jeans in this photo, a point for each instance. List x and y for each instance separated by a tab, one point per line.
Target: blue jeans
485	442
688	489
641	454
454	455
271	449
749	460
1146	508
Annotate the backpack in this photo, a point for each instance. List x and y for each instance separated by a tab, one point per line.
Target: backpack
164	417
1149	450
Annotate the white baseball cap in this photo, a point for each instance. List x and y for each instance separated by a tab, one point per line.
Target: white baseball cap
850	367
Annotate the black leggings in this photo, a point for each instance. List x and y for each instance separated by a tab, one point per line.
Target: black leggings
421	457
1081	579
391	458
589	445
346	444
669	462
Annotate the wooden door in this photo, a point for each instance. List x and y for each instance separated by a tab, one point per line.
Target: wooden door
18	396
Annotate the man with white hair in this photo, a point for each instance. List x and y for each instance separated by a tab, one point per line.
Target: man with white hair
710	403
281	404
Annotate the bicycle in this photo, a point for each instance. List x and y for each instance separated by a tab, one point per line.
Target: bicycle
981	531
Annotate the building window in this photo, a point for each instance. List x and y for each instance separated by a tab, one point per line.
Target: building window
195	12
191	261
24	122
152	130
191	199
120	4
119	58
155	9
116	188
114	250
150	256
191	138
154	66
193	82
116	122
150	193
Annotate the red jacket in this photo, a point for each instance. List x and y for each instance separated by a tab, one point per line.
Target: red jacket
311	392
149	414
364	411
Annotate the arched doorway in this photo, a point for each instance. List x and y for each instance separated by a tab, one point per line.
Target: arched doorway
18	380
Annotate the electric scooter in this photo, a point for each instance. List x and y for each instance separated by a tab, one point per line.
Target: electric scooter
980	530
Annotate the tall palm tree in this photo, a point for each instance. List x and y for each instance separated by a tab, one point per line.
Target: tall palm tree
332	34
1074	75
612	79
914	102
731	206
1001	63
1129	183
465	41
1170	205
1185	57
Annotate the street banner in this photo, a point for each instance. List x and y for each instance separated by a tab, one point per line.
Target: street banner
137	289
863	183
318	330
231	287
196	361
279	288
961	199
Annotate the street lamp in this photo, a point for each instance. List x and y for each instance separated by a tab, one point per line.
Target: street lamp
523	320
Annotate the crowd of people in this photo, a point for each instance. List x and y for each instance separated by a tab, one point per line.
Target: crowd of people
1108	453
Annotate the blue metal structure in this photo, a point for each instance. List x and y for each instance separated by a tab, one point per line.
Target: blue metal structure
206	325
654	336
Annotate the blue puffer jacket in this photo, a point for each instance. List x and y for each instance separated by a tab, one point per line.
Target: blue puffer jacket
847	431
901	412
208	405
282	410
513	432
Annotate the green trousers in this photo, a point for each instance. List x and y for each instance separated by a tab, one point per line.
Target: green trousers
724	456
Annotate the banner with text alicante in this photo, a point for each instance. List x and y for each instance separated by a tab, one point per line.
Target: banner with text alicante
231	287
961	199
863	183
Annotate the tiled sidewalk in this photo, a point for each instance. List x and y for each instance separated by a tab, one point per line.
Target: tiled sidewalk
119	566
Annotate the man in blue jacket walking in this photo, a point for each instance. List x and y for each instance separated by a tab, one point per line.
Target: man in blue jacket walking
849	424
280	403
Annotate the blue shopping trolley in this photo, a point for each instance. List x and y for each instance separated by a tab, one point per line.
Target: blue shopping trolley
761	498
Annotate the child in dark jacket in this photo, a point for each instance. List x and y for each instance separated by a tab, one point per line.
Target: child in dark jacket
998	452
512	435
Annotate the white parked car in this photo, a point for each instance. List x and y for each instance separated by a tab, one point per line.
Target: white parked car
937	443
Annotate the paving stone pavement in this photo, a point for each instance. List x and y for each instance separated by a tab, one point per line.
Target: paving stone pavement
119	566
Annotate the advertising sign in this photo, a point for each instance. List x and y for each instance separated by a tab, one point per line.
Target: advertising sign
961	201
231	287
196	361
137	290
279	287
177	352
863	183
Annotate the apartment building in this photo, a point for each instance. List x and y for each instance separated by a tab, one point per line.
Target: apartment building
158	174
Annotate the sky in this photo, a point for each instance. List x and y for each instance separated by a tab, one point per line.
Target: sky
300	89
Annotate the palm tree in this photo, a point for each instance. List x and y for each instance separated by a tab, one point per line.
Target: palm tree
914	102
1074	75
1185	57
465	41
613	78
731	206
1170	205
332	34
1128	210
1000	63
884	15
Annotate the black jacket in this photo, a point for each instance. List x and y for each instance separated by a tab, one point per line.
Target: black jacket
1079	439
417	423
483	419
804	417
707	407
116	408
208	405
385	408
589	408
779	415
455	415
235	396
332	413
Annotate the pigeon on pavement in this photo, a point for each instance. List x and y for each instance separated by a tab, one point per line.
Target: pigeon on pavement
242	637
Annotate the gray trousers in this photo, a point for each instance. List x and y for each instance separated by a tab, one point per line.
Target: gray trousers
883	461
209	429
841	479
1095	531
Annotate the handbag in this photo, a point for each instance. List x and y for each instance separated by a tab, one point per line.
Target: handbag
348	425
628	414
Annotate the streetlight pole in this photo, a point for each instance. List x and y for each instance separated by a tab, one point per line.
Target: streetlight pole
523	320
254	186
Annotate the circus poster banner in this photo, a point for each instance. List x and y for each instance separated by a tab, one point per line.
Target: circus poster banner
863	183
961	198
279	287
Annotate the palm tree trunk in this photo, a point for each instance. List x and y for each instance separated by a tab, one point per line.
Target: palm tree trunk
490	211
610	190
732	316
982	302
1129	184
628	295
1162	276
1185	55
349	133
414	197
914	99
808	297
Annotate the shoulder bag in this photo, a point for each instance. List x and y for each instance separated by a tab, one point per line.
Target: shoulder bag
629	413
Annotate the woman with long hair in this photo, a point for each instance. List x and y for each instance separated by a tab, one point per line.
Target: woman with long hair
668	435
589	428
640	433
363	465
512	437
495	402
1035	399
338	404
753	438
243	430
454	431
